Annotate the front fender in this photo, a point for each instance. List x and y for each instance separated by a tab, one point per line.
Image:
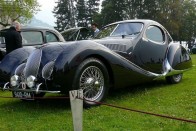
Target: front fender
12	60
178	57
69	59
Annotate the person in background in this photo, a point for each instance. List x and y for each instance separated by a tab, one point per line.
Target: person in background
95	29
13	38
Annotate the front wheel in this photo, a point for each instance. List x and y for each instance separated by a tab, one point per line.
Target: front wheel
92	76
174	79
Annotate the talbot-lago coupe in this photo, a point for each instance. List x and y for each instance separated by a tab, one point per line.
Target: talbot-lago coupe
123	54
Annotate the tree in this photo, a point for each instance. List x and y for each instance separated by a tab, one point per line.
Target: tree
86	9
81	16
21	10
188	26
92	9
112	11
64	14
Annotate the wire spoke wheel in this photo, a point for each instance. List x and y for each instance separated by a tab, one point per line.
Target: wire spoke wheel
177	77
174	79
92	83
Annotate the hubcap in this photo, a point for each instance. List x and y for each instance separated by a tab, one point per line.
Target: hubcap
177	78
92	83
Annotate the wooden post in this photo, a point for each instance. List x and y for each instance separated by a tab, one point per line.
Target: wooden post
77	108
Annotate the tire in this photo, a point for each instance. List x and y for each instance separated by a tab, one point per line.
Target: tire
92	76
174	79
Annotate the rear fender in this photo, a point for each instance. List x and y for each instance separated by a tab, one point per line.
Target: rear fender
178	57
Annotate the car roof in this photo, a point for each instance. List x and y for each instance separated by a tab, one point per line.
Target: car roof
73	29
32	28
36	28
145	21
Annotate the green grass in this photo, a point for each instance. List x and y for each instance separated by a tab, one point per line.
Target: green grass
178	100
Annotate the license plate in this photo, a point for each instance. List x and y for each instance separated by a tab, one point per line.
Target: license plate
23	95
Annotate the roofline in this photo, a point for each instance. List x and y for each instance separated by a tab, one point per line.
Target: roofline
133	20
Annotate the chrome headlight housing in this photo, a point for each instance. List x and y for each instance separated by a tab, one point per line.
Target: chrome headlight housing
14	81
30	81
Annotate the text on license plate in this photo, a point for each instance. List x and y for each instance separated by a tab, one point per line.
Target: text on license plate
25	95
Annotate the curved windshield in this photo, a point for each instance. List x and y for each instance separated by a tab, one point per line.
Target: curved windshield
122	29
105	32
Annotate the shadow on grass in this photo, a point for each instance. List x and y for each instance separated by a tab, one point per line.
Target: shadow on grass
138	89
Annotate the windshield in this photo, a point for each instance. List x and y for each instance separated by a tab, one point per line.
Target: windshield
122	29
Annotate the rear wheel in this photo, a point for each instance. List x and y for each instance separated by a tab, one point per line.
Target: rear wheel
174	79
92	76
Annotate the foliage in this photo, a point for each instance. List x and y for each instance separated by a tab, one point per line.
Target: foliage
188	26
178	100
81	13
63	13
112	11
92	9
21	10
75	12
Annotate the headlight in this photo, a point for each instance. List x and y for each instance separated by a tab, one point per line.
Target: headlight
31	81
14	80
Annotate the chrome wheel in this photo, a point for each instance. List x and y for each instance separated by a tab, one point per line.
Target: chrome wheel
174	79
92	83
178	77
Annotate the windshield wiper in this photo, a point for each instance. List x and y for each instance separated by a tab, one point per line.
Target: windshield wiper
135	33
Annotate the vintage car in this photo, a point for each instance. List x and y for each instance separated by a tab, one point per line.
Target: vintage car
32	36
77	33
123	54
193	49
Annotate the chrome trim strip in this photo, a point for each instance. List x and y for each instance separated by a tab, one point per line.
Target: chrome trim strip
5	86
29	90
38	86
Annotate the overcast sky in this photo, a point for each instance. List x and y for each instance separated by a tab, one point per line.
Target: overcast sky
46	14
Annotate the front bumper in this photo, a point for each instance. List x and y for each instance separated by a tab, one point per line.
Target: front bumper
35	90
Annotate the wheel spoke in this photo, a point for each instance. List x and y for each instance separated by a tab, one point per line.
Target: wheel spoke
92	82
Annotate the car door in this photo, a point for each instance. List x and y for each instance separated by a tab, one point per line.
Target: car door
151	49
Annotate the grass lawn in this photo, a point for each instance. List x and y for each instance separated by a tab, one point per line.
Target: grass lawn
177	100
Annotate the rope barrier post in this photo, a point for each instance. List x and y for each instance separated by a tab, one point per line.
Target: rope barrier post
76	108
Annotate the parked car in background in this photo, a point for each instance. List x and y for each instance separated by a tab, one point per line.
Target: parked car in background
32	36
123	54
193	49
74	34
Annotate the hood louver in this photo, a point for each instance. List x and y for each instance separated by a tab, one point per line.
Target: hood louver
116	47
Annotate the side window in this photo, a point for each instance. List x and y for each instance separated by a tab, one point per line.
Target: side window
32	38
155	34
2	40
51	37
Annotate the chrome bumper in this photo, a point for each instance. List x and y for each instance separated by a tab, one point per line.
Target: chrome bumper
36	90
